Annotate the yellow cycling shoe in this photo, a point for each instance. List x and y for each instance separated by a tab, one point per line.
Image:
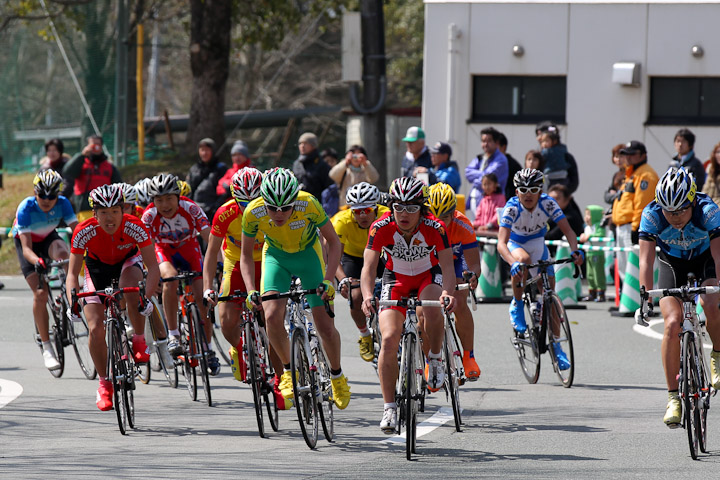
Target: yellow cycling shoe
286	386
674	411
340	392
281	402
237	365
367	349
715	369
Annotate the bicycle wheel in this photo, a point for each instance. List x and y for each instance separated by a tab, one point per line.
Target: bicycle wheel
254	376
556	310
56	334
188	359
79	334
118	372
528	351
128	392
377	340
324	397
451	377
222	346
202	352
303	380
170	371
144	370
411	390
691	394
704	403
268	378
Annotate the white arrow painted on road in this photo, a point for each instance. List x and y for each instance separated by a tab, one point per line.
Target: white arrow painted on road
9	391
649	332
442	416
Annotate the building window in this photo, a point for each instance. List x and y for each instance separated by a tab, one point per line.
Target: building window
686	101
516	99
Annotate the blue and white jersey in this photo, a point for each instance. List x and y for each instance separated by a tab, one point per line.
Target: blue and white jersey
693	239
31	219
527	224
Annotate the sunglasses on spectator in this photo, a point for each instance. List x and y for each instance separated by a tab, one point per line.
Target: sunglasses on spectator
44	196
362	211
525	190
284	208
678	212
400	207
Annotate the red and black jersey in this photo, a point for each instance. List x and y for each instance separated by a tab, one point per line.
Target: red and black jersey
110	249
411	258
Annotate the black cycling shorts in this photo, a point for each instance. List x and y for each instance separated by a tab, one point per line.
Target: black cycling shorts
673	271
352	266
41	249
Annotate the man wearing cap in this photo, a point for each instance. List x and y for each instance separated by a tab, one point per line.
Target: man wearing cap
240	156
417	157
638	191
492	160
445	170
311	171
204	176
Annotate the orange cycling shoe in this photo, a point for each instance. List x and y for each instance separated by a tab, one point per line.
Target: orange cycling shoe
427	371
472	371
140	353
104	395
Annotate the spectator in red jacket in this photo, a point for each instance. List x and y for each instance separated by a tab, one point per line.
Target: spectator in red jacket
240	156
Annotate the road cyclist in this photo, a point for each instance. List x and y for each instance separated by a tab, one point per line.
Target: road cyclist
114	247
418	261
291	219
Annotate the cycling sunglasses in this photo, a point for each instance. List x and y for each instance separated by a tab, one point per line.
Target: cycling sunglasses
44	196
401	207
678	212
525	190
242	203
284	208
362	211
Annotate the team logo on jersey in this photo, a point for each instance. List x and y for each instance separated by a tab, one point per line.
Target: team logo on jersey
297	224
301	205
136	232
224	215
194	210
418	248
259	211
83	237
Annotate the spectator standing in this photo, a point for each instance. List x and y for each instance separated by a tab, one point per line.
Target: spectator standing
486	215
204	177
353	169
492	160
595	259
330	156
555	155
240	156
561	194
88	170
445	170
712	180
618	175
513	166
638	190
417	157
311	171
685	156
573	175
55	159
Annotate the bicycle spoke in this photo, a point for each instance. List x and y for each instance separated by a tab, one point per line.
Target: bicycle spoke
303	382
558	325
254	375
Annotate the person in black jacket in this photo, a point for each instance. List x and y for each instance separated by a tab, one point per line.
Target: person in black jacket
311	170
573	178
204	176
572	212
513	167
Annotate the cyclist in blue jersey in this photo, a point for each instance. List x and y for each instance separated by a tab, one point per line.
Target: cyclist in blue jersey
36	241
521	240
685	224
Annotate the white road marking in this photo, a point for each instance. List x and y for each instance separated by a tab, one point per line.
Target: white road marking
442	416
649	332
9	391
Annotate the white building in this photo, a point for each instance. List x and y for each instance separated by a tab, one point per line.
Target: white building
510	64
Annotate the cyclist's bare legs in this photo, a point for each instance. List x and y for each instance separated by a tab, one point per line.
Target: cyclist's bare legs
198	294
58	251
329	335
130	277
520	255
95	316
671	310
712	312
464	324
434	323
169	295
275	324
356	311
231	321
391	326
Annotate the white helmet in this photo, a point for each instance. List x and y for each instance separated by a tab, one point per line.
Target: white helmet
675	189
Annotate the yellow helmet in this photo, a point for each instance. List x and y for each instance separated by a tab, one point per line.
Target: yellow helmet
442	199
185	189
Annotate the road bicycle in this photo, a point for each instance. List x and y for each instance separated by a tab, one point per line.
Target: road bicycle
64	332
372	325
222	346
157	363
411	384
121	367
548	326
310	369
695	388
192	337
259	372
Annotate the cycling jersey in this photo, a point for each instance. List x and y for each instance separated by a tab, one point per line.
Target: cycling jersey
227	224
693	239
31	219
353	238
411	258
527	224
180	228
110	249
297	234
461	236
138	211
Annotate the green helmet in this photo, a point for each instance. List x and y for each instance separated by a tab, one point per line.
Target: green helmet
279	187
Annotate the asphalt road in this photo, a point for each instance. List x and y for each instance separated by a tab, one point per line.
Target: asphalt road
608	425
